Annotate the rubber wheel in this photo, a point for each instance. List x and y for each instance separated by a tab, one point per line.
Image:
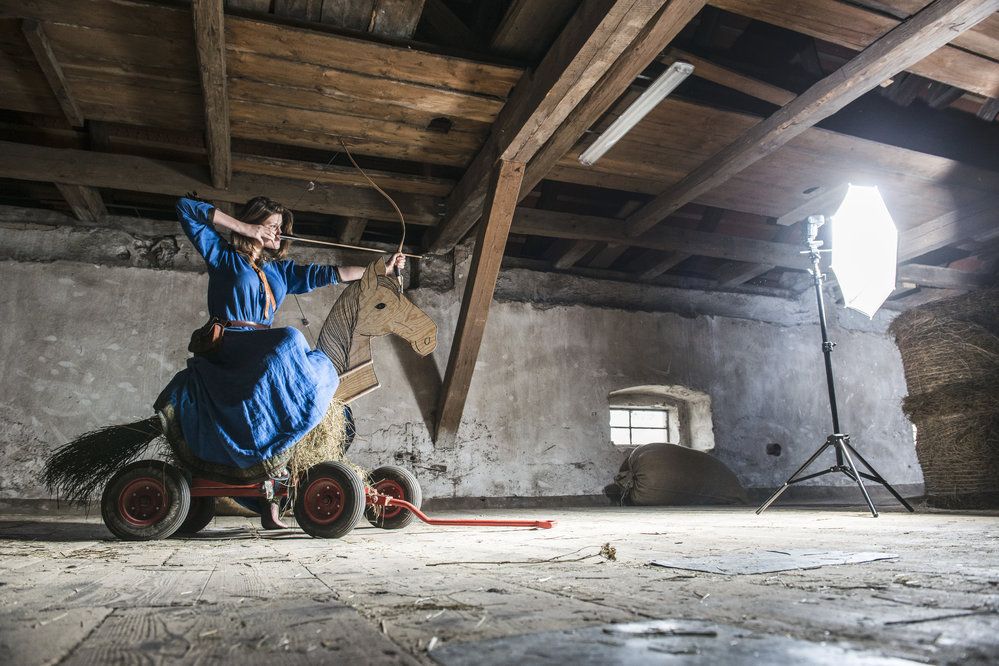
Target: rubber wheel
149	499
400	484
201	513
329	500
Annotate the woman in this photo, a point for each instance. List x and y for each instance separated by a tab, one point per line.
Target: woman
237	412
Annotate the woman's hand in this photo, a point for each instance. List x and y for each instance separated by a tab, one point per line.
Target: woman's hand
263	233
397	260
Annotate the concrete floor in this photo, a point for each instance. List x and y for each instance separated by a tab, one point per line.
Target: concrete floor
70	594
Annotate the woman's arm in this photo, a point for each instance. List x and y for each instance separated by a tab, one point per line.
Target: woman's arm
349	273
259	232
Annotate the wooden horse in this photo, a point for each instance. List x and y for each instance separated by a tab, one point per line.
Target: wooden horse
371	307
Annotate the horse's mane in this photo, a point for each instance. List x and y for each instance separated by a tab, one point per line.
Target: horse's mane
338	330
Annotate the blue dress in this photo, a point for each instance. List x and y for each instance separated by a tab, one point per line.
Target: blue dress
237	414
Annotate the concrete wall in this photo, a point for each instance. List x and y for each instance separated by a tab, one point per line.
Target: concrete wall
84	346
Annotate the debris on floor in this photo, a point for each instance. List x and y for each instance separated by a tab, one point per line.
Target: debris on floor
770	561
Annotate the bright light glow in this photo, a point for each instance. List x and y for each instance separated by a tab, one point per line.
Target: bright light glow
648	100
864	249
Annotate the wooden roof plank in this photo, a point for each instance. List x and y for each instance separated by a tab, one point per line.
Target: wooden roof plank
209	39
908	43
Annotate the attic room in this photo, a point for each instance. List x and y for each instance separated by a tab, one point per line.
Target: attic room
543	332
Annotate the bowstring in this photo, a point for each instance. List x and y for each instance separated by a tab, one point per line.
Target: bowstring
311	185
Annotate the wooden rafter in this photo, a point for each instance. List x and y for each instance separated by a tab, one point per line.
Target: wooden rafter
85	202
664	239
978	221
724	76
709	222
548	99
447	27
941	278
908	43
659	32
143	174
209	40
527	28
857	28
34	33
501	200
353	229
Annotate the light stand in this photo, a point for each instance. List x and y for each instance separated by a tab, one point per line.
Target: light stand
845	453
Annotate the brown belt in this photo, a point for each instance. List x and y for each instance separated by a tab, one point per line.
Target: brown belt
246	324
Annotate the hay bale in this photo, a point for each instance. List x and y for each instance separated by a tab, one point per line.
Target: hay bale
950	354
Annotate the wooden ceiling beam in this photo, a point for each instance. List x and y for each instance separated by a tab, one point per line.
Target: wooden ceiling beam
979	221
85	202
941	278
143	174
670	261
329	174
857	28
656	36
576	251
448	28
735	273
665	239
982	39
34	33
921	297
209	41
353	229
729	78
908	43
501	201
589	46
527	28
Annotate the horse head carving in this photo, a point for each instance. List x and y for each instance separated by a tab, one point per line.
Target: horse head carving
370	307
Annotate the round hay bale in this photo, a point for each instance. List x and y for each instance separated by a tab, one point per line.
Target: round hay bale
938	351
959	455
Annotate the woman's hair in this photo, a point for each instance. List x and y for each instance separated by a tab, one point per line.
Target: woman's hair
256	211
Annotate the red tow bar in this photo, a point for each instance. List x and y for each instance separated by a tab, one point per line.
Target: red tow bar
385	500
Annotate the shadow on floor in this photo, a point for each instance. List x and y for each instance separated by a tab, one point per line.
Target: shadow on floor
28	530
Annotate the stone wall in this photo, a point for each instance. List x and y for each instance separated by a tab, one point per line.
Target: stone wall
87	345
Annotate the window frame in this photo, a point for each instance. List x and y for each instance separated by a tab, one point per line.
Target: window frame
666	429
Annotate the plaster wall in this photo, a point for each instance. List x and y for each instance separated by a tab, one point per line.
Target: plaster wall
83	346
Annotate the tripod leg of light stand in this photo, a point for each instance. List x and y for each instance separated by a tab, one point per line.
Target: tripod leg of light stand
874	476
793	479
855	473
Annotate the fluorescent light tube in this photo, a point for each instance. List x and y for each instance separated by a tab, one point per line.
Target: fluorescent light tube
648	100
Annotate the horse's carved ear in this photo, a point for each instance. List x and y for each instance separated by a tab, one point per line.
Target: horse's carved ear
370	278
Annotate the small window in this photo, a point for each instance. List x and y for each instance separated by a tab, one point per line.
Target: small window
631	426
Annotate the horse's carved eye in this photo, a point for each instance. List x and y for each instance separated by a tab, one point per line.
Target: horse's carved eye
380	306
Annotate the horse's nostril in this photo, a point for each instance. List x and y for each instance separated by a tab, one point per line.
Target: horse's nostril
380	306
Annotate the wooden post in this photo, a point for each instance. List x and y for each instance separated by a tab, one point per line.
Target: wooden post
85	202
209	38
501	201
39	43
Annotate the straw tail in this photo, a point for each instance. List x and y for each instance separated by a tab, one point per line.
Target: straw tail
75	471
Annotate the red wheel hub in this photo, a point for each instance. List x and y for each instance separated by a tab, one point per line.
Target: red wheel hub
324	501
144	501
394	490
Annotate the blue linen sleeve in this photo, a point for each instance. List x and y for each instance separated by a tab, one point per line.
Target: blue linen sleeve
196	219
303	279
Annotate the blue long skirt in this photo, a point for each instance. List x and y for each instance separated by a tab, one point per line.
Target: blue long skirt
237	413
